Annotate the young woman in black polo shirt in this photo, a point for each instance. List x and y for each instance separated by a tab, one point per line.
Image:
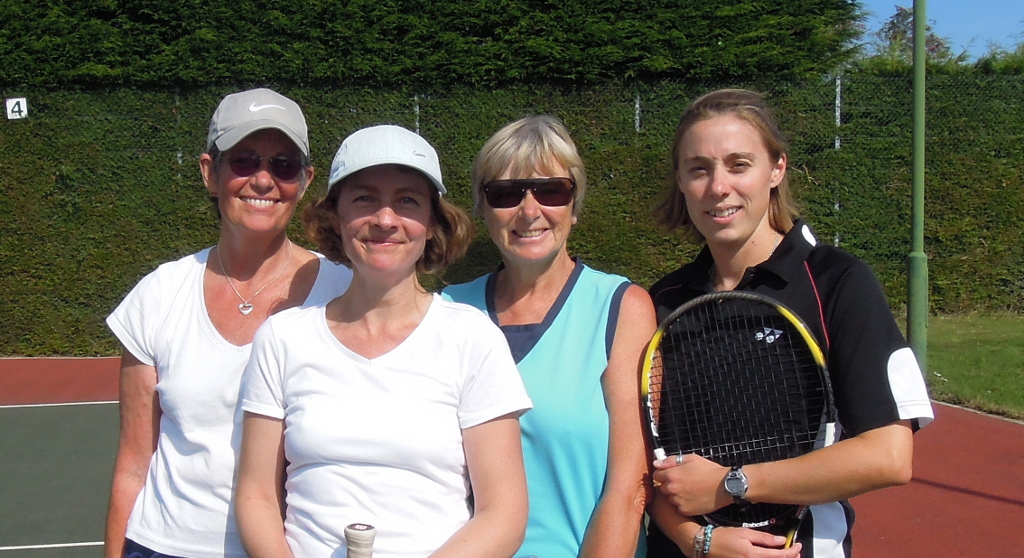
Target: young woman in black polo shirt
729	191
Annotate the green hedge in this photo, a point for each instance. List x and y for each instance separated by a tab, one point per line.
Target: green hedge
102	186
388	43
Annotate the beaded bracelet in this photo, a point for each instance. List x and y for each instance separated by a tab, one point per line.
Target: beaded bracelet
698	544
707	539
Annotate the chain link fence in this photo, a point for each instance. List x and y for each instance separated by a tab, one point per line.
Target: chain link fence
104	185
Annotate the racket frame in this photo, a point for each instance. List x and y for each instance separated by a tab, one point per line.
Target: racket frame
651	400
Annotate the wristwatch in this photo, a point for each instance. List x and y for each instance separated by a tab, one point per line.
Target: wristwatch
736	486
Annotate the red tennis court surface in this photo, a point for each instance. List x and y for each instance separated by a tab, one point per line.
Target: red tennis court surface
27	381
966	498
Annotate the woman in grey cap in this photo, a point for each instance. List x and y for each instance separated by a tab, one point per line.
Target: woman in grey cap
187	330
390	405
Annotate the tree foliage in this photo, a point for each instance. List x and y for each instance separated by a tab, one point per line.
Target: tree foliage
890	51
1000	60
895	39
892	46
87	43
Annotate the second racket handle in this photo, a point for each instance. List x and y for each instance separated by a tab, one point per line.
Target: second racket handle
359	538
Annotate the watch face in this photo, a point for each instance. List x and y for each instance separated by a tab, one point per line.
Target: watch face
736	484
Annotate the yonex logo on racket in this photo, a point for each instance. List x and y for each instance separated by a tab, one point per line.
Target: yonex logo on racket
768	335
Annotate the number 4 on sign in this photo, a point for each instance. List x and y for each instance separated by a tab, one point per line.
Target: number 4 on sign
17	108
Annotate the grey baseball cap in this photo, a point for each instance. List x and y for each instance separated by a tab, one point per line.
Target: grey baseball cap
385	145
240	114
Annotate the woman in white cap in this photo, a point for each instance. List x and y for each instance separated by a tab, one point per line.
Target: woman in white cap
390	405
187	330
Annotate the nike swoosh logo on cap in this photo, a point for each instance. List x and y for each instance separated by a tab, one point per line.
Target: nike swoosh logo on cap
255	108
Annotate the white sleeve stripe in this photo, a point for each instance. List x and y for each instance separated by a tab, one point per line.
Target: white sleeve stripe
908	387
830	529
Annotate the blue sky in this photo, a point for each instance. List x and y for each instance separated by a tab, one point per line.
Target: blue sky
970	25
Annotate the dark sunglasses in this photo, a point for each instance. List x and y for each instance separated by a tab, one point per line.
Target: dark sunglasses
281	166
552	192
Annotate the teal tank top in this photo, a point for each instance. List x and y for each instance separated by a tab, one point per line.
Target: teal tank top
565	435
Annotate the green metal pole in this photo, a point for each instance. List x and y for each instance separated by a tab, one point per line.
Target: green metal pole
917	273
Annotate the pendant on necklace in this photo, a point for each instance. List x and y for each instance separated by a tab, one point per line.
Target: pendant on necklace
245	308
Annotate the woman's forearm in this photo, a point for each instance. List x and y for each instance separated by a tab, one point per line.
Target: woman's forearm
261	528
259	492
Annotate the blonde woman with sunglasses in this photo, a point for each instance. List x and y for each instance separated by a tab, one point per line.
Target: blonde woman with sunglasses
577	335
187	330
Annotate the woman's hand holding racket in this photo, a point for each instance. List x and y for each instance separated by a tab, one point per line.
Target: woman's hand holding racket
687	486
739	541
692	486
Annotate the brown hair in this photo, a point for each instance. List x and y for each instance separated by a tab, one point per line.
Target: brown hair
451	227
751	108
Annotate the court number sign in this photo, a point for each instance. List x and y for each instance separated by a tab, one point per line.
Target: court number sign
17	108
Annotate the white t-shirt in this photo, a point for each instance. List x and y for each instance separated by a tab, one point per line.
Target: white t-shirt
379	441
185	508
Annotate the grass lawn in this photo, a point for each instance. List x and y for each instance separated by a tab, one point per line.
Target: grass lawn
978	361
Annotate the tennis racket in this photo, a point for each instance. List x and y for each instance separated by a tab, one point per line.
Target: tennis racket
359	539
738	378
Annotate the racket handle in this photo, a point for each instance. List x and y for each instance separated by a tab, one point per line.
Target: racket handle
798	519
791	537
359	538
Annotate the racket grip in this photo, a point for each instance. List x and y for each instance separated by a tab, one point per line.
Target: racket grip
359	539
797	520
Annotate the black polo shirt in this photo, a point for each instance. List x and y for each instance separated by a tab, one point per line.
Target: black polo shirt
875	378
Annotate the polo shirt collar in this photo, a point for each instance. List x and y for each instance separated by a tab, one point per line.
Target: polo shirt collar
786	263
794	249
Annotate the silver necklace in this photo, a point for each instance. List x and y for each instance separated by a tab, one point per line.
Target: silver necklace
775	244
246	307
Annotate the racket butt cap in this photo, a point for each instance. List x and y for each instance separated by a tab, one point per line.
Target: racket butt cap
359	539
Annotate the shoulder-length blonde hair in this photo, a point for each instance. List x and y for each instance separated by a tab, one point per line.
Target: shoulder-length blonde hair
750	107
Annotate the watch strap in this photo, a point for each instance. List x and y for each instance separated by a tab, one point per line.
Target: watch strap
739	497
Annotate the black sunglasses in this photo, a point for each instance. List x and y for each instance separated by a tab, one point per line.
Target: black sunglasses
281	166
551	192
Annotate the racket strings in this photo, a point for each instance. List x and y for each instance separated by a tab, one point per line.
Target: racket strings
732	380
731	411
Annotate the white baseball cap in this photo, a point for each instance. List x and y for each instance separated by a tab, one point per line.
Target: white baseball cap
240	114
385	145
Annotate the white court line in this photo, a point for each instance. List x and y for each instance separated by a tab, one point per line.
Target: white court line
55	405
45	546
58	545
